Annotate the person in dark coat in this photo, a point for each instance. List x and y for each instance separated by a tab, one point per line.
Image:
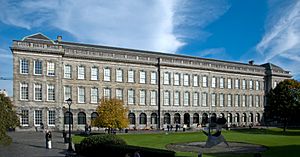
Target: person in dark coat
64	136
48	137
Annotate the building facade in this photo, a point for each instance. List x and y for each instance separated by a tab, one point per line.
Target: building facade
157	88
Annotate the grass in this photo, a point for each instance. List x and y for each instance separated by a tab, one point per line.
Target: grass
279	144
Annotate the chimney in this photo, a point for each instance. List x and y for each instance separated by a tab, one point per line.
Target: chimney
251	62
59	38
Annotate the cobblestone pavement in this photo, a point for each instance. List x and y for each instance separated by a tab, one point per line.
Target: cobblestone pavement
33	144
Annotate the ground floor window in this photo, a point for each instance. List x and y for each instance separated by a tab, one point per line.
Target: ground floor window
25	118
38	117
81	118
51	117
68	118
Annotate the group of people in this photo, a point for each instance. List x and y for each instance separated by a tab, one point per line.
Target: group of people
48	137
170	127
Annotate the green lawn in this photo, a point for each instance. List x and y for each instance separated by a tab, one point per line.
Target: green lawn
279	145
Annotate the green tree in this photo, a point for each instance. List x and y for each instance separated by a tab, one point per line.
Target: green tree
283	102
112	115
8	119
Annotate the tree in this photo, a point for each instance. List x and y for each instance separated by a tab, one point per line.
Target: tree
112	115
283	102
8	119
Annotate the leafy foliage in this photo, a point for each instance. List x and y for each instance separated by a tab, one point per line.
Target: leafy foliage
112	114
284	102
8	119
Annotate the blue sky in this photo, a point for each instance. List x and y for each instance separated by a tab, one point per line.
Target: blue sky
233	30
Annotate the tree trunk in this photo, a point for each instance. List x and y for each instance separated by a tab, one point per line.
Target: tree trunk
285	125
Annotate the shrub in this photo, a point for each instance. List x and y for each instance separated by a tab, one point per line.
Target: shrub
121	150
102	139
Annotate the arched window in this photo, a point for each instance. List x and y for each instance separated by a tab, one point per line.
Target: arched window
81	118
94	115
186	119
204	119
177	118
251	117
237	117
167	119
67	119
131	117
153	118
143	118
244	117
196	118
229	117
213	118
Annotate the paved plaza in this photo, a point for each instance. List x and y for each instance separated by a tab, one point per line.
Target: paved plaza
32	144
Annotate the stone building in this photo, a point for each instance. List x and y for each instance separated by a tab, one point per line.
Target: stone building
158	88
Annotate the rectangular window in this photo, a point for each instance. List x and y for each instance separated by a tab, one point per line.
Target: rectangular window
24	66
166	78
244	84
177	98
153	77
131	76
67	71
50	69
196	99
229	100
25	118
257	87
37	117
24	91
38	67
214	82
195	81
142	77
94	73
38	92
81	95
229	83
186	80
51	118
237	100
213	99
67	92
186	99
166	98
204	81
257	102
81	73
130	96
106	74
243	100
204	99
221	82
237	84
119	94
153	98
119	75
250	100
251	85
51	93
176	79
221	100
142	97
94	95
107	93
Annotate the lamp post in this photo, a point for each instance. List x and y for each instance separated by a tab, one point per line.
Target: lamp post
70	149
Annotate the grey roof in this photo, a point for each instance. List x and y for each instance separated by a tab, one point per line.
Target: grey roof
38	37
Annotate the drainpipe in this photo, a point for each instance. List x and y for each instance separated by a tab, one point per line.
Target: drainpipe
158	92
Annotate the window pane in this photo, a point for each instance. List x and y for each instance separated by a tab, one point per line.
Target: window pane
106	74
131	76
38	68
142	97
50	69
153	98
51	93
37	92
81	95
24	69
142	77
94	95
94	73
37	117
153	77
24	91
119	75
67	71
51	117
81	72
25	118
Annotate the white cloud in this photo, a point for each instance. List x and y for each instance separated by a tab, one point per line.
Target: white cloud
212	52
281	42
152	25
5	54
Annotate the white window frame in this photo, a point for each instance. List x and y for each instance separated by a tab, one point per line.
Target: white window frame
94	95
251	84
204	99
221	82
38	91
35	67
153	98
229	83
237	84
142	77
244	100
68	72
166	78
106	74
257	85
213	99
131	78
214	82
24	118
250	101
196	99
167	96
153	77
51	118
244	84
221	98
142	97
176	98
66	94
195	80
204	81
257	101
107	93
131	95
119	94
237	100
186	80
229	100
186	99
119	75
94	73
24	91
24	66
81	72
81	95
49	86
50	68
38	117
176	79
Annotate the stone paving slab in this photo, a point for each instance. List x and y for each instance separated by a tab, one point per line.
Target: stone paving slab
33	144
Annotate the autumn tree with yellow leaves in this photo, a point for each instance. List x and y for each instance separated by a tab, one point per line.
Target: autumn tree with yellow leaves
112	115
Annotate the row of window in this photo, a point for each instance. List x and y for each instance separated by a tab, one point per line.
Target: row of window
177	81
216	99
38	117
